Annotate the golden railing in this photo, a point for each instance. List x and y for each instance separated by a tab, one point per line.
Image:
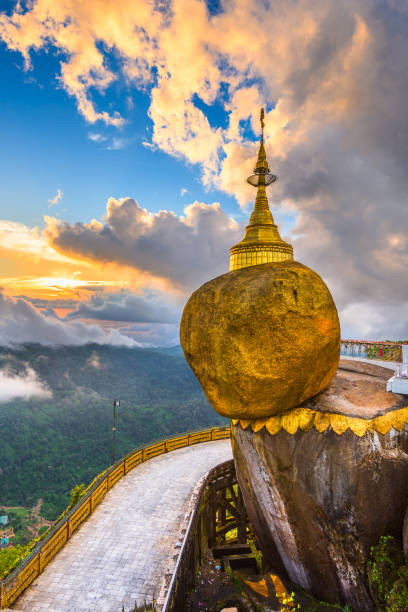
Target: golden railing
12	586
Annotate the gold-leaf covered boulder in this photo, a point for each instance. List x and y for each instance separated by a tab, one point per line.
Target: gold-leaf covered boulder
261	339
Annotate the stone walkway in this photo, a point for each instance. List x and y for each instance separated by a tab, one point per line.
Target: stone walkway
390	365
122	553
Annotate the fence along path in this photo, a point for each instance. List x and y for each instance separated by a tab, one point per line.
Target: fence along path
121	554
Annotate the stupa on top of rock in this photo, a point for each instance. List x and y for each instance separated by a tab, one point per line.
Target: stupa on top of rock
262	242
265	336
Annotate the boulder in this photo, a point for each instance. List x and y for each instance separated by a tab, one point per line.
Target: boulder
261	339
317	499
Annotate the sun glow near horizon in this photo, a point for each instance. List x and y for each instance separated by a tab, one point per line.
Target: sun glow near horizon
48	286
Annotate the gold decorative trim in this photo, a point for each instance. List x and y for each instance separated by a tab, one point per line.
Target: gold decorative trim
305	419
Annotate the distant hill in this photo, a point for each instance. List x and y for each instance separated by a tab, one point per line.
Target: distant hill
176	351
49	445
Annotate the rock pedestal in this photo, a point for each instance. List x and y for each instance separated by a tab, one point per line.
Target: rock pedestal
317	499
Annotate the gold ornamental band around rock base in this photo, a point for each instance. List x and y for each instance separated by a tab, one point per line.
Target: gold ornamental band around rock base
305	419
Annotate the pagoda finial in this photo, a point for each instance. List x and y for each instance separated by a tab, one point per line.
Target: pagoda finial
262	242
262	175
262	117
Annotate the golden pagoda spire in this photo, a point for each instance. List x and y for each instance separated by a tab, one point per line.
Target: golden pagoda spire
262	242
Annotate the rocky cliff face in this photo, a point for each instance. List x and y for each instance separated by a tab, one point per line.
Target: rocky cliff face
318	500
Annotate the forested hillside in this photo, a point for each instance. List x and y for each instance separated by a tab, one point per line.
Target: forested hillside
49	445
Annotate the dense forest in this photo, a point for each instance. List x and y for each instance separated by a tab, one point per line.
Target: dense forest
49	445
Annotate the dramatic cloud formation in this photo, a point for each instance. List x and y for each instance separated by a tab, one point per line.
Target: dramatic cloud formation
185	250
25	385
334	74
104	317
20	323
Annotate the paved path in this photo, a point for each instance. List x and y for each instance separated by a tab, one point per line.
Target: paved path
385	364
122	553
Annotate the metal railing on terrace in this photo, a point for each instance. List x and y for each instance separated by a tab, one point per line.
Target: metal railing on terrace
383	350
24	574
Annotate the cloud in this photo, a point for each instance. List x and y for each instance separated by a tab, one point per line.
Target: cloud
24	386
185	250
149	145
372	321
183	191
48	304
20	323
150	318
96	137
118	143
128	307
55	290
56	199
84	33
161	334
19	238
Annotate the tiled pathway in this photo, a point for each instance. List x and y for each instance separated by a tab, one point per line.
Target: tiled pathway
121	554
390	365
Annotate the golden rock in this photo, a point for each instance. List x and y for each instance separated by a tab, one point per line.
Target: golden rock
261	339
